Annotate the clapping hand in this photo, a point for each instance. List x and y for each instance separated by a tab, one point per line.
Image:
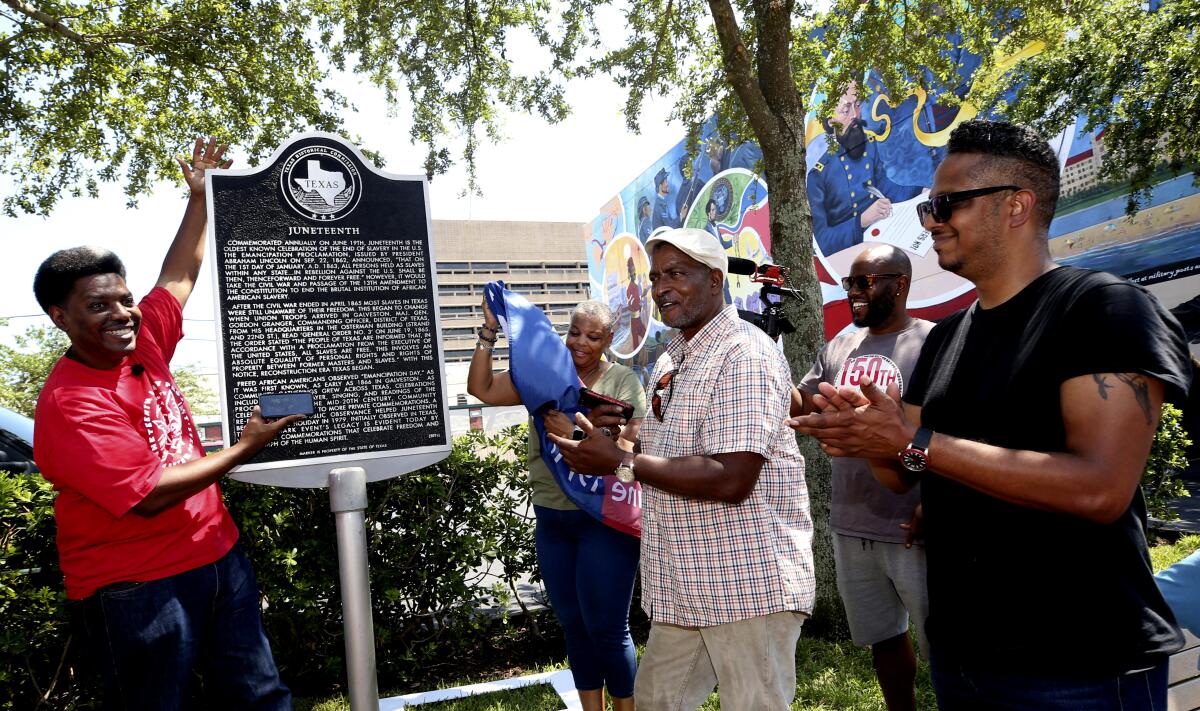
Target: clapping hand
851	423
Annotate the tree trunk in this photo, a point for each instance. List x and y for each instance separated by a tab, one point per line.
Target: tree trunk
792	246
766	89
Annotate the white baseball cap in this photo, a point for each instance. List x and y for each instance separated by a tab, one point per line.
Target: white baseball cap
697	244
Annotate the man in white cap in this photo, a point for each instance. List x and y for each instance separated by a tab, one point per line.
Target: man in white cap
727	572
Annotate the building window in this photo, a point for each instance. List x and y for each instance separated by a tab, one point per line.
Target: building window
490	266
454	289
453	266
457	310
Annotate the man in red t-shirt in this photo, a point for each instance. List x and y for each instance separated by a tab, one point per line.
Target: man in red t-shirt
159	588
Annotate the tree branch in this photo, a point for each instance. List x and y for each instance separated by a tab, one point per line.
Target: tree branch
740	72
658	44
773	18
11	40
54	24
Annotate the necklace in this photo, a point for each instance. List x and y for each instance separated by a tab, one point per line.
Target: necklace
585	376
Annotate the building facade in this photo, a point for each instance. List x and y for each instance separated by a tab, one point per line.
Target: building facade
542	261
1082	170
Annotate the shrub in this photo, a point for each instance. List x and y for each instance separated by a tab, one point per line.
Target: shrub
34	642
432	535
1168	458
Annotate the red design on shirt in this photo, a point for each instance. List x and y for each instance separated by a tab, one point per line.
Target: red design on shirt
166	419
881	369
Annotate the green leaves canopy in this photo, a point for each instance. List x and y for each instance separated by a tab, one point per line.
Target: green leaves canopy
106	91
1132	68
101	91
449	64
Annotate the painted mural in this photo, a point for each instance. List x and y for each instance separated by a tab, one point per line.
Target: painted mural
868	168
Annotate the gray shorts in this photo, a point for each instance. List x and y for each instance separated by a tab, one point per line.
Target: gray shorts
882	585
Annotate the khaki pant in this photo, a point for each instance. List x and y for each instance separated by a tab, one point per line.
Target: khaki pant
753	661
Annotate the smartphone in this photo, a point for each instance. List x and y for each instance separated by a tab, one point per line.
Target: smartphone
284	404
590	398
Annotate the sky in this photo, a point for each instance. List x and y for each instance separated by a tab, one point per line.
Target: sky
539	172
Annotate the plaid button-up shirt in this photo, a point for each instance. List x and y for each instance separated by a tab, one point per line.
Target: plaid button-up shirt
707	563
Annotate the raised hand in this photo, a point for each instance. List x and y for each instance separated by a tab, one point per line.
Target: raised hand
489	319
205	157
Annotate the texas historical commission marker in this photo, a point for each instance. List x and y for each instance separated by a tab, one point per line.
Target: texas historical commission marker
325	285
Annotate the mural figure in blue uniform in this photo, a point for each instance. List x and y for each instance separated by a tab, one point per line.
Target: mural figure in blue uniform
662	209
643	219
849	189
689	190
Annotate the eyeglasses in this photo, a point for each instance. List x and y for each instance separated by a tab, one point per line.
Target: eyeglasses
941	206
656	402
865	281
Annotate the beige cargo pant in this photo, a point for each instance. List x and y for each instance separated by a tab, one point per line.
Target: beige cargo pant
753	661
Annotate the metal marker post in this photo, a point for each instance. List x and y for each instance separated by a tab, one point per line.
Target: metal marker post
348	501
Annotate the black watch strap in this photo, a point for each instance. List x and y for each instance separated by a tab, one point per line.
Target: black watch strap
921	438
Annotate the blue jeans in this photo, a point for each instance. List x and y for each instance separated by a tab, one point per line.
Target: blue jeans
589	570
961	688
150	640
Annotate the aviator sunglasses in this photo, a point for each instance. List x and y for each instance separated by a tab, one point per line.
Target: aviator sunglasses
942	206
656	402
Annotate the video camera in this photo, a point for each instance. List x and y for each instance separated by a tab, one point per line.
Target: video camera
775	283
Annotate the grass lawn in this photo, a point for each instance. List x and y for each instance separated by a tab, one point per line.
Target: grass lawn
536	697
829	675
1167	554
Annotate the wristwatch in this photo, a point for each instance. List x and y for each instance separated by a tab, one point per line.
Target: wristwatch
915	457
624	472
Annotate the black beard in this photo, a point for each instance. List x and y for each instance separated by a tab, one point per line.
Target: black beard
854	139
879	309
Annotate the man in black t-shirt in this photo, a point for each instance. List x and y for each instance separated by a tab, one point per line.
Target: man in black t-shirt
1028	421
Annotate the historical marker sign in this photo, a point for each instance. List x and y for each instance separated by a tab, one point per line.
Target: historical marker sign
325	284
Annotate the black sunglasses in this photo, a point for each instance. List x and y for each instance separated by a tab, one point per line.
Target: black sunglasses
865	281
941	206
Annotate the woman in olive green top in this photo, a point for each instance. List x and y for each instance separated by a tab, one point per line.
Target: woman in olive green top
588	567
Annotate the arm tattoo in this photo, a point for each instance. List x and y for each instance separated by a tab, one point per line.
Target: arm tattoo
1141	391
1102	385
